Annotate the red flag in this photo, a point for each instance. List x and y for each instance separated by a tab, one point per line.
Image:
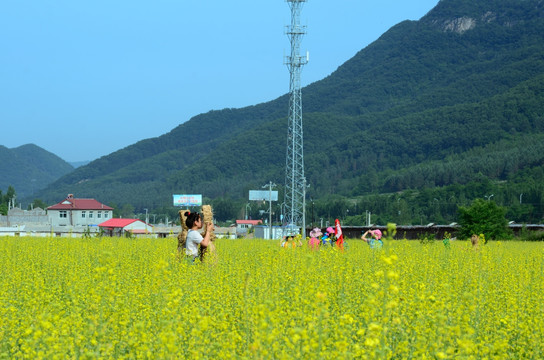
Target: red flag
339	235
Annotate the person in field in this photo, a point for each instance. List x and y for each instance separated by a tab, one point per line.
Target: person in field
286	241
329	237
314	242
291	242
375	239
194	238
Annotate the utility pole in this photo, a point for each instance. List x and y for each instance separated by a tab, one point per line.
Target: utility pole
295	187
270	185
304	211
247	212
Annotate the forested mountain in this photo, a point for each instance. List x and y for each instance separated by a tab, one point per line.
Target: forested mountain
452	100
28	168
77	164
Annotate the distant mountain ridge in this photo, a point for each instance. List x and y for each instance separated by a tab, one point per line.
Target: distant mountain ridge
76	164
29	168
416	103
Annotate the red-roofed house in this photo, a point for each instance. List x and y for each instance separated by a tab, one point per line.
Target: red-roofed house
78	212
118	227
243	226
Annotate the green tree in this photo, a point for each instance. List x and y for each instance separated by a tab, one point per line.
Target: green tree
116	210
6	199
483	217
10	195
38	203
225	209
127	211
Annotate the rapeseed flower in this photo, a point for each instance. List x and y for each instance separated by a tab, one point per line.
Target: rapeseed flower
133	298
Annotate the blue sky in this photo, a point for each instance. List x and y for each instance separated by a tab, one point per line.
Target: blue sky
83	79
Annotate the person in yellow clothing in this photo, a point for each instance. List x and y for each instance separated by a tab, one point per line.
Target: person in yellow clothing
289	241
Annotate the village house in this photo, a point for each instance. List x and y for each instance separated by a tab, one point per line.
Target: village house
78	212
243	227
119	227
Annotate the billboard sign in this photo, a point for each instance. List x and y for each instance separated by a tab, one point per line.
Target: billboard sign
187	200
260	195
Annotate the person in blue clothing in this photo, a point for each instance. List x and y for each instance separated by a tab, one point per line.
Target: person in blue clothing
375	240
329	237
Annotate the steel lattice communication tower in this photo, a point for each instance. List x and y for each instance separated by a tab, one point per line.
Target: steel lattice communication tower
295	182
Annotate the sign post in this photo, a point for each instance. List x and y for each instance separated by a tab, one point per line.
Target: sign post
263	195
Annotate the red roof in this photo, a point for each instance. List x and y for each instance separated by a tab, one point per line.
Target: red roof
118	223
79	204
250	222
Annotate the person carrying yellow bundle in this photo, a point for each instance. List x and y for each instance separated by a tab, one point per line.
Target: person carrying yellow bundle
194	238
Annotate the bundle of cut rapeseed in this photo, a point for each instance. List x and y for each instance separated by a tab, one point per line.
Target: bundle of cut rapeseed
209	251
182	236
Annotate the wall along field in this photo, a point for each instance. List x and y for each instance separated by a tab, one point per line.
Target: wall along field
126	298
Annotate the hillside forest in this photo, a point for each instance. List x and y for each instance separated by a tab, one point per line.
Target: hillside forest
428	118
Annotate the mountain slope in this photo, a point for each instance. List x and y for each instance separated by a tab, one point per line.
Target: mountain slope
29	168
467	75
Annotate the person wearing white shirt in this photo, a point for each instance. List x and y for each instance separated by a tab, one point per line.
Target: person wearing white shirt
194	238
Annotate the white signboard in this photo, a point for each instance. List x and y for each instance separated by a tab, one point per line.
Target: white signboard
260	195
187	200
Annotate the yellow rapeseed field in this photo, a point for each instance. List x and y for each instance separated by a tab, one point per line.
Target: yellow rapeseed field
124	298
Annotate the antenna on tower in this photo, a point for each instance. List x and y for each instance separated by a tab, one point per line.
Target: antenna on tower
295	182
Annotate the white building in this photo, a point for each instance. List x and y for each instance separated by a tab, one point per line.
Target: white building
78	212
263	232
244	227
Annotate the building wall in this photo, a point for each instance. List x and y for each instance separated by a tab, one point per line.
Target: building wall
17	216
243	229
263	231
137	225
78	217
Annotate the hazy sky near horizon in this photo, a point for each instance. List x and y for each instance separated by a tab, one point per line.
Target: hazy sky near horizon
83	79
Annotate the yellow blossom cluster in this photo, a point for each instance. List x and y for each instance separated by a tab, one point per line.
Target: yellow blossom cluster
134	298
